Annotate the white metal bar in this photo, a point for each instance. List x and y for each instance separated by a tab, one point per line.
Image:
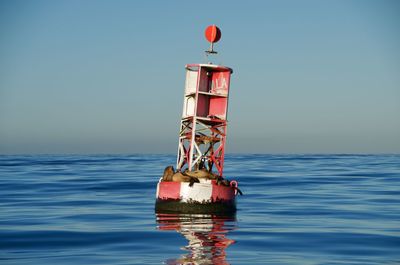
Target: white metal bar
199	153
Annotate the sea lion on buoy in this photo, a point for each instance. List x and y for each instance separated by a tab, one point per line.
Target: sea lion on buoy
201	173
171	175
168	173
223	182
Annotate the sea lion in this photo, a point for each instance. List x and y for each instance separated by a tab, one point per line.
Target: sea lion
171	175
223	182
168	173
201	173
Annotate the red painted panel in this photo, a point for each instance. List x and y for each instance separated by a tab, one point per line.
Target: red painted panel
169	190
202	106
224	193
220	82
204	80
218	107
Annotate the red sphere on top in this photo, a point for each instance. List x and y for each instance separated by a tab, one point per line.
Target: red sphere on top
213	33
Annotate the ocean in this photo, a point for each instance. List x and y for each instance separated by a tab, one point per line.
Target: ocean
295	209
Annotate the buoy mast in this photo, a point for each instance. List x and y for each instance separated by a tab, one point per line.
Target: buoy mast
203	125
201	144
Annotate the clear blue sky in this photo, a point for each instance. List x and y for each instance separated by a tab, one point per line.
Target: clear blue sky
108	76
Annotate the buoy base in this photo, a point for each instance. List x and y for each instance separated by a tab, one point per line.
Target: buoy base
204	197
194	207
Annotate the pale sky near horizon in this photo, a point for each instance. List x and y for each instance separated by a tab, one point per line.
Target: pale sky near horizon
107	76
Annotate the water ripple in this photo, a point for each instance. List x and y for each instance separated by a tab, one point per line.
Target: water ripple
297	209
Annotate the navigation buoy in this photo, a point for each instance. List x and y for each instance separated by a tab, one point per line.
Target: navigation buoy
198	185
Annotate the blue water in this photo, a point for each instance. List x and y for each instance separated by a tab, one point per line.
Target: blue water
296	209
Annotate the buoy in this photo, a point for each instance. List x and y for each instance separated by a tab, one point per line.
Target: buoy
198	185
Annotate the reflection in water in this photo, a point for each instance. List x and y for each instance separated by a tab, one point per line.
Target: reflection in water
206	234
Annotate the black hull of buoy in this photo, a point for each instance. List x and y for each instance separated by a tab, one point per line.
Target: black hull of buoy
176	206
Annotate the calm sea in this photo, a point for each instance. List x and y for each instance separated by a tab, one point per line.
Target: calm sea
296	209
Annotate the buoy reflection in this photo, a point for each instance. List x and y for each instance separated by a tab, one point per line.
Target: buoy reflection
206	233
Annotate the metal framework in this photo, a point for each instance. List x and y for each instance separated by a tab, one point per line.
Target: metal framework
202	134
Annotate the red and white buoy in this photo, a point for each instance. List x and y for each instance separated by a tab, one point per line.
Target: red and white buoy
202	138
